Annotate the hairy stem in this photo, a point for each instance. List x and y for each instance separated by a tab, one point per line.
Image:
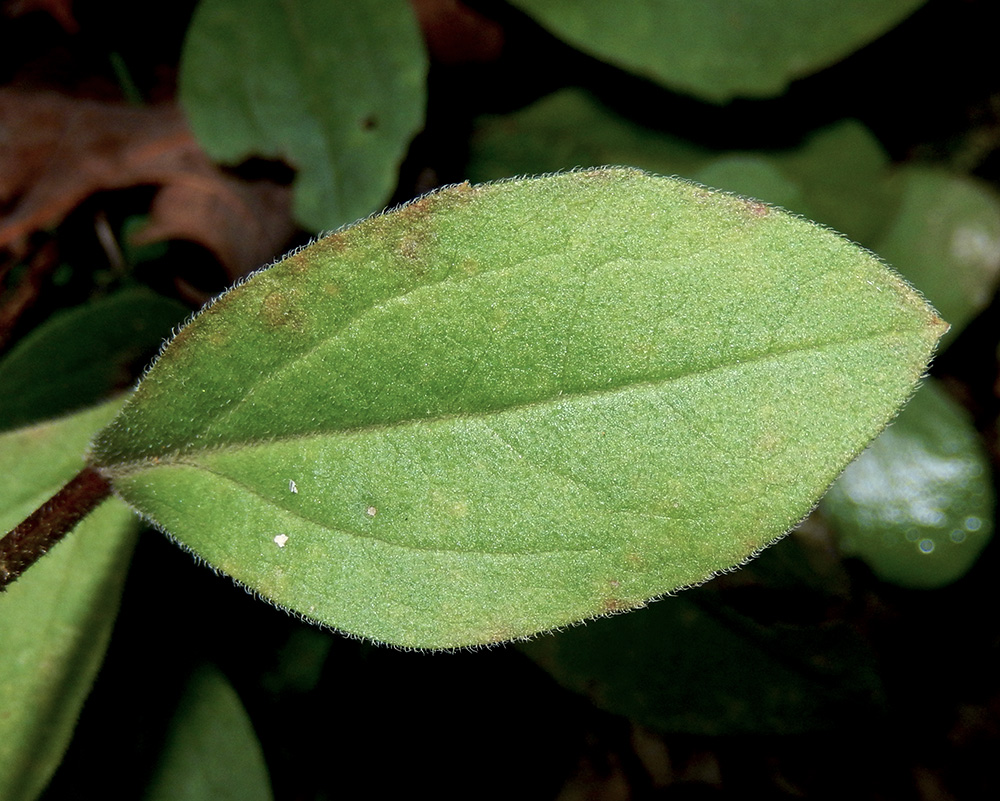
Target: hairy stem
48	524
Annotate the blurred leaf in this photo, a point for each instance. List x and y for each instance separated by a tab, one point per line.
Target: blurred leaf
569	129
211	752
81	356
842	172
697	665
59	150
336	89
838	176
751	176
947	239
299	661
917	506
457	34
504	408
55	620
720	49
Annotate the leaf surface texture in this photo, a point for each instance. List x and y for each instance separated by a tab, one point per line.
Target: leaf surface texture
502	409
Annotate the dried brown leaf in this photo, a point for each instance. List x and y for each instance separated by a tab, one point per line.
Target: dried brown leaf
55	151
455	34
60	10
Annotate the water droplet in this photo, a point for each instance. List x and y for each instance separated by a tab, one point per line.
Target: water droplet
926	546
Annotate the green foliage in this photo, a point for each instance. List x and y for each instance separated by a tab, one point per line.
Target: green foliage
56	620
81	355
946	236
918	506
428	432
941	230
211	752
336	89
720	49
839	175
671	666
506	408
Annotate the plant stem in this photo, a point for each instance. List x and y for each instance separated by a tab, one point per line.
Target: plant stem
48	524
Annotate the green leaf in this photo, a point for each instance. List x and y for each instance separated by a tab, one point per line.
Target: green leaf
671	667
55	620
751	176
843	173
917	506
720	49
211	752
336	89
946	236
569	129
509	407
838	175
79	357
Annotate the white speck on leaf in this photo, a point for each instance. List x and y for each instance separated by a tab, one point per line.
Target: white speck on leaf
292	488
371	511
280	540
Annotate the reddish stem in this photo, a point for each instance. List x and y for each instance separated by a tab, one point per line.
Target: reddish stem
48	524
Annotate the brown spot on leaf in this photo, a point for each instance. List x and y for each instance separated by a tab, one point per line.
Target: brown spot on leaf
278	309
409	246
612	604
418	210
500	633
298	263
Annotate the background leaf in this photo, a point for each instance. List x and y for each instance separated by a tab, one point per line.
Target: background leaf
55	620
80	356
670	666
569	129
918	505
838	175
432	432
336	89
211	752
720	49
947	238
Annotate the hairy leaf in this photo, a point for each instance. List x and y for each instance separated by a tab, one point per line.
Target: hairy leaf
720	49
337	89
55	621
505	408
